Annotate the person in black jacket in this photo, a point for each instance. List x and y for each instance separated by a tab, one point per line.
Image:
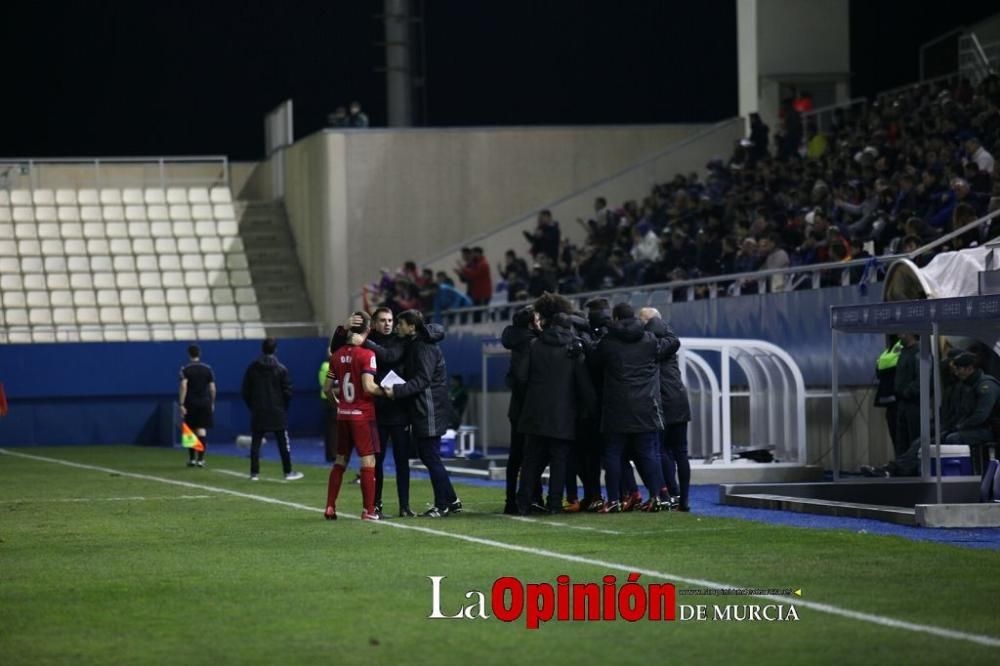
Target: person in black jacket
676	414
589	442
517	338
631	411
267	390
557	391
427	403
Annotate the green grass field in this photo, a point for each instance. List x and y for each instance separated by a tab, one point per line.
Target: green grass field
146	561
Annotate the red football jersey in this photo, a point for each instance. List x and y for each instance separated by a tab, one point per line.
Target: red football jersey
347	364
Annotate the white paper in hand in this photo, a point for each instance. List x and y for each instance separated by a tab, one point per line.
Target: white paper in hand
391	379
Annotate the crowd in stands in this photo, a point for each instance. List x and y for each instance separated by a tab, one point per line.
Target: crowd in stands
351	116
883	178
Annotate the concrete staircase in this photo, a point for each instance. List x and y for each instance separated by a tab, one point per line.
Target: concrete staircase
275	269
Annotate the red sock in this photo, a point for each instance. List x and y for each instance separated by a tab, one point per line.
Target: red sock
333	487
368	488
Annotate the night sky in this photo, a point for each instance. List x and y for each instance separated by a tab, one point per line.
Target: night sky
142	78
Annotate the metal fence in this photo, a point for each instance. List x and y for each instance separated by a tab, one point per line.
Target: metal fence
37	173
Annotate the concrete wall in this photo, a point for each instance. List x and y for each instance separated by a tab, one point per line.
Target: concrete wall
803	36
140	174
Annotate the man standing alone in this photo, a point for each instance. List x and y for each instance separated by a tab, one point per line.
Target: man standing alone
197	401
267	390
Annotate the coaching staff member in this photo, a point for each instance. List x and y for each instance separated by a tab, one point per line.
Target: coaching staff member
427	403
197	400
631	411
267	390
517	338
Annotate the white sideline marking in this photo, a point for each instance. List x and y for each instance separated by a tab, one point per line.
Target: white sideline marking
881	620
535	521
246	477
137	498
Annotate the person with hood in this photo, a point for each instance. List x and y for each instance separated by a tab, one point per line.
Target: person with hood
517	338
267	390
631	411
557	391
676	414
427	402
589	443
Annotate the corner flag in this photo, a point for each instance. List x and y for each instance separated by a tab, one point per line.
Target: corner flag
189	439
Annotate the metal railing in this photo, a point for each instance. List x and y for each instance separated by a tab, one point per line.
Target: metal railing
822	118
185	170
41	333
838	273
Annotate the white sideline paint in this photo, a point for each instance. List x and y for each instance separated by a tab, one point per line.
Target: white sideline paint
525	519
881	620
106	499
241	475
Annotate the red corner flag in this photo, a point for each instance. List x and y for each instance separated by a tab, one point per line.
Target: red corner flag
3	402
189	439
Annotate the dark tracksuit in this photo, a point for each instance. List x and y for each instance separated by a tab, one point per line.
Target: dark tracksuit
267	390
676	415
517	340
557	390
974	427
907	388
631	410
392	417
428	406
589	442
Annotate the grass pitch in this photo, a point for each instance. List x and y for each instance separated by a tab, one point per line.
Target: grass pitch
145	561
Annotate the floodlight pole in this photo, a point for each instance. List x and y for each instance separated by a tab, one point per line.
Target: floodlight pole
936	370
835	405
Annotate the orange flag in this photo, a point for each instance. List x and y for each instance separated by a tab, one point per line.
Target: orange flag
189	439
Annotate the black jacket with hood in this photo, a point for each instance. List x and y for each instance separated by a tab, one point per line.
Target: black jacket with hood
673	395
267	390
426	389
629	359
517	339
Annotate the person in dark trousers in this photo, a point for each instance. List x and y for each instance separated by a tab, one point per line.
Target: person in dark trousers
885	393
459	397
197	401
557	389
906	386
676	415
631	411
391	415
426	394
589	442
267	390
517	339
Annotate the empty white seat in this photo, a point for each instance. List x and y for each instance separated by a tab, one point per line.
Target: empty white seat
180	212
9	264
107	297
128	280
218	278
68	214
116	230
177	296
123	263
143	246
104	281
66	197
132	195
134	315
81	281
161	229
110	314
183	228
150	279
170	262
4	197
204	228
159	315
77	261
177	195
26	230
201	212
203	313
90	214
153	297
98	246
84	298
8	248
180	313
51	246
227	228
24	214
61	297
221	195
100	263
195	279
157	212
9	282
57	281
137	333
64	316
213	262
37	299
234	246
199	296
226	313
111	196
146	262
29	248
172	279
249	313
246	296
155	195
191	262
130	297
240	278
188	246
223	212
236	261
71	230
121	246
208	332
135	213
48	230
46	214
166	246
44	197
86	315
5	215
20	197
31	265
198	195
14	299
93	230
16	317
34	281
40	316
88	197
113	213
138	229
211	244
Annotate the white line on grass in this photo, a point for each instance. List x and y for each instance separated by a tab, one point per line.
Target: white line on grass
880	620
535	521
241	475
105	499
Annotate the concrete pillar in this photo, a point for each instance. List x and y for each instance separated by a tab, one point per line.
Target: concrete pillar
399	74
746	49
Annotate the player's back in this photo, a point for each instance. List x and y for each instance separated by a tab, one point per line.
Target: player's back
347	365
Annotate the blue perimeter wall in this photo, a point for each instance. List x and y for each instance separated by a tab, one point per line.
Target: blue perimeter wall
124	392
